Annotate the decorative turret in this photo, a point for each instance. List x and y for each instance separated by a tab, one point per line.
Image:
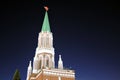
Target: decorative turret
60	63
29	72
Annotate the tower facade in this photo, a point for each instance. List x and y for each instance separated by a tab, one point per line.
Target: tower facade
44	62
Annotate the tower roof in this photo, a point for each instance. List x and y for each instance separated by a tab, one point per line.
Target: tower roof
46	25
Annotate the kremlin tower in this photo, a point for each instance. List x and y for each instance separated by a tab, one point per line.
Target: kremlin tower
43	62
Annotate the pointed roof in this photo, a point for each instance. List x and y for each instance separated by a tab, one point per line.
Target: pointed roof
46	25
60	59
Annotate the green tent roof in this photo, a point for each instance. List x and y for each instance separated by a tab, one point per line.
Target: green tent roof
46	25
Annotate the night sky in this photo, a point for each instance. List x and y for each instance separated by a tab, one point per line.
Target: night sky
85	33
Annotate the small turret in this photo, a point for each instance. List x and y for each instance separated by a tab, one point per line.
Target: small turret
60	63
29	71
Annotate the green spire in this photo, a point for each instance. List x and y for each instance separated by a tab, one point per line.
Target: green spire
46	25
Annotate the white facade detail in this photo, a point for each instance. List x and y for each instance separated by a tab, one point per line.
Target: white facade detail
44	55
59	72
35	64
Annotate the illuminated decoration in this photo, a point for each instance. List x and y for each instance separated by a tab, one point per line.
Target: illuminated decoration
43	61
46	8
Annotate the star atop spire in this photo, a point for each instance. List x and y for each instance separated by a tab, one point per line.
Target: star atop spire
46	8
46	25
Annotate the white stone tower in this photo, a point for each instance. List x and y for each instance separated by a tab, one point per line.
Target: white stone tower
43	61
44	56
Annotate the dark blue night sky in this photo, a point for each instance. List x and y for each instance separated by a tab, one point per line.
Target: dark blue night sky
85	33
